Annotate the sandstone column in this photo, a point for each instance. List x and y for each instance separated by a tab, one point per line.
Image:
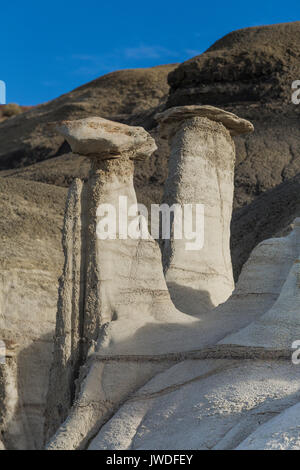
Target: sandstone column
201	171
113	298
86	296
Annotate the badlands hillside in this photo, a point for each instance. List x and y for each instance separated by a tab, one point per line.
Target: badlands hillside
248	73
9	110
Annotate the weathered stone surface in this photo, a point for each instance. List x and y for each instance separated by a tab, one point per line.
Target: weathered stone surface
233	123
30	264
280	326
280	433
206	405
102	139
259	286
117	329
201	171
245	402
222	404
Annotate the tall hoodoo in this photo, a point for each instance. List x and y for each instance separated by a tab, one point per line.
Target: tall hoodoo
86	298
201	171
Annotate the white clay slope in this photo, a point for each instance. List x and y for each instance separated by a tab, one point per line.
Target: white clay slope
224	404
280	326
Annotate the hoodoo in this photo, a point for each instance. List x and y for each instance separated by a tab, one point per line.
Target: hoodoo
201	171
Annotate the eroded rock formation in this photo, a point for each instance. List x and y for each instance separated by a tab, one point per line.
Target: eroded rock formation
247	396
280	326
113	302
248	72
212	382
30	265
201	171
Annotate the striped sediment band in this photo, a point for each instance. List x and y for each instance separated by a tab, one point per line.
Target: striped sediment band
215	352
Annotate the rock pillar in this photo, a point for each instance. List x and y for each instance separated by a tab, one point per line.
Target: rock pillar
201	172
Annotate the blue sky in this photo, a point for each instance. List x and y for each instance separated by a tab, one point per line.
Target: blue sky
50	47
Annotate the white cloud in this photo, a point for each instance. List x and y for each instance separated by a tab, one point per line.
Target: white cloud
89	65
192	52
148	52
92	64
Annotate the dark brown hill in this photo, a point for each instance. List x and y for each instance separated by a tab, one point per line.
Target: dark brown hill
250	72
250	65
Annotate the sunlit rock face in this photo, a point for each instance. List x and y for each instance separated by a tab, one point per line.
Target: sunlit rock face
248	396
113	299
201	172
31	261
124	355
